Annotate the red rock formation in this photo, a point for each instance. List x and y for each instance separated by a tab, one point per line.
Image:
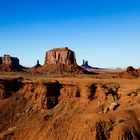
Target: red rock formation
60	56
37	65
8	60
130	73
130	69
61	60
56	109
8	63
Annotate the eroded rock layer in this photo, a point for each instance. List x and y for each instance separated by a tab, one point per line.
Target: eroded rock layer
60	56
68	109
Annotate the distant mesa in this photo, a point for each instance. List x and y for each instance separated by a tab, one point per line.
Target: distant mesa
86	66
61	60
8	63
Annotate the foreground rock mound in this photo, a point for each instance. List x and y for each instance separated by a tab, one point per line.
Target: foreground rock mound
8	63
61	60
130	73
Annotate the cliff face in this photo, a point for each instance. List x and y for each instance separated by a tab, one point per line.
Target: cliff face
61	60
9	63
60	56
8	60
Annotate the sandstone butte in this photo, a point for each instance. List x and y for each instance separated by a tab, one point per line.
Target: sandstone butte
8	63
61	60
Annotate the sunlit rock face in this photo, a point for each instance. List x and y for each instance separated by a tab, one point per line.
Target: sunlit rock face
60	56
8	60
61	61
9	63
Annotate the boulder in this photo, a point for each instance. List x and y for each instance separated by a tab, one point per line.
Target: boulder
130	69
113	106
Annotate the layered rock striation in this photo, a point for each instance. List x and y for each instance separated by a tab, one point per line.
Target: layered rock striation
69	109
61	60
60	55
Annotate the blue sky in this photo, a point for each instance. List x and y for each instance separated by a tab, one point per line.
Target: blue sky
104	32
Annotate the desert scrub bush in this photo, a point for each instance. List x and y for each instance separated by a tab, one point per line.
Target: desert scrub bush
109	125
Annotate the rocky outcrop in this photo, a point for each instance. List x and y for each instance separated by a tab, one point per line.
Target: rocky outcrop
60	56
8	60
9	63
78	109
61	60
130	69
86	66
37	65
130	73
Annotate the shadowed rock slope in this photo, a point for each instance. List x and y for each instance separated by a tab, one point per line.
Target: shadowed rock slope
70	109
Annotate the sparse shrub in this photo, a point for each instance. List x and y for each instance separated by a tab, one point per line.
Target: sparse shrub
109	126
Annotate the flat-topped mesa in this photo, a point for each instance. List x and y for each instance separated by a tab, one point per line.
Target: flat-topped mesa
60	56
61	60
8	60
9	63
